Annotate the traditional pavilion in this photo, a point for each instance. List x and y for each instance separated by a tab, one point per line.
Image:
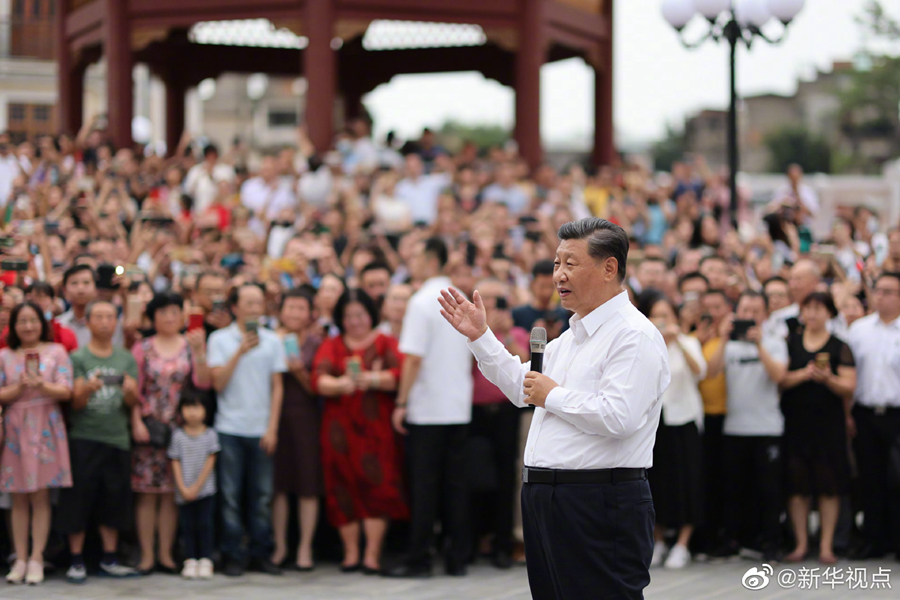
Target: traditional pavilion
521	35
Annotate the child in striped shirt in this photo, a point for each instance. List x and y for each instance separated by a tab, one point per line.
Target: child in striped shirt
193	452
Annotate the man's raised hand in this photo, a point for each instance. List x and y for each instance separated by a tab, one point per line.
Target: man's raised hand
466	317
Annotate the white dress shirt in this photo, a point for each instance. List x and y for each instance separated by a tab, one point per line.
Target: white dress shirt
9	170
876	349
442	393
257	195
776	325
204	187
421	195
681	401
612	368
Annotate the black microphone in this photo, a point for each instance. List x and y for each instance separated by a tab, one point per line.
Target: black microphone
538	343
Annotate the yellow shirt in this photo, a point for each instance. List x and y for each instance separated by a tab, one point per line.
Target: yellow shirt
596	199
714	391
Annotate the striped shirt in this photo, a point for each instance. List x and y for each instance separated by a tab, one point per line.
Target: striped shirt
192	452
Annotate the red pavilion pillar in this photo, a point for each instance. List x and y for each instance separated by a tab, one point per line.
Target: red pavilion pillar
175	90
604	131
320	67
69	79
119	63
529	59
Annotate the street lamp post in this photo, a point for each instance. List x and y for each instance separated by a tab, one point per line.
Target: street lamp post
735	22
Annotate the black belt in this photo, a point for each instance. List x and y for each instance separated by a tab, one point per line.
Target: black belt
555	476
880	410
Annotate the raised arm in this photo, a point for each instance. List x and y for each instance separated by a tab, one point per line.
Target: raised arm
497	364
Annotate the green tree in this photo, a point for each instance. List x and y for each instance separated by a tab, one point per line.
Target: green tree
670	149
454	134
795	145
869	103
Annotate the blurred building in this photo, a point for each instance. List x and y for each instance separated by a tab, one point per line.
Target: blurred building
815	107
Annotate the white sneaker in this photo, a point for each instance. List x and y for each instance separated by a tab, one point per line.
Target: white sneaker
204	568
190	569
679	557
76	574
659	554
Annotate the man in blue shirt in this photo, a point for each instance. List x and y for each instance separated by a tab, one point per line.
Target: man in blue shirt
247	362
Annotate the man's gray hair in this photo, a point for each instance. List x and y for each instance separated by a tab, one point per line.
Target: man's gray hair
604	240
90	307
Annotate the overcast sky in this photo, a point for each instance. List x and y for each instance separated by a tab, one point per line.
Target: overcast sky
657	81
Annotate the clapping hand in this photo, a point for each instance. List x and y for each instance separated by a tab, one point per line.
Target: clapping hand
466	317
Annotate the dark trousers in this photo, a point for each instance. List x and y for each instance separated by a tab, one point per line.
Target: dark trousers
880	502
245	475
752	483
437	478
499	423
709	534
195	521
588	540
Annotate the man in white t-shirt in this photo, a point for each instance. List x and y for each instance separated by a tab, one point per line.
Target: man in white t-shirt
203	179
754	365
421	192
9	170
268	194
505	191
434	406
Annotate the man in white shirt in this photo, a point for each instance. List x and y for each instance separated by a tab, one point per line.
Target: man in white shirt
505	191
798	191
875	341
592	437
421	192
754	365
202	180
804	279
9	170
435	402
268	194
247	362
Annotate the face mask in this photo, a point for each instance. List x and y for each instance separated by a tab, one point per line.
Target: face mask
48	315
872	224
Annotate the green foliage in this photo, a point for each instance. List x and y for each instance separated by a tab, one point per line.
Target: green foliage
670	149
454	134
869	104
795	145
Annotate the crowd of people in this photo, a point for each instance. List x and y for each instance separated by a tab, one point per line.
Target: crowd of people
197	348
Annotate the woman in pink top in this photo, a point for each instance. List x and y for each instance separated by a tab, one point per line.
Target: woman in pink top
35	376
165	363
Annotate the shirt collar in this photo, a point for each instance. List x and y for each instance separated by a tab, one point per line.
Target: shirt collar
597	317
895	324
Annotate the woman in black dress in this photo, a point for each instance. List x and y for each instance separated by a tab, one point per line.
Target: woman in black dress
815	401
298	467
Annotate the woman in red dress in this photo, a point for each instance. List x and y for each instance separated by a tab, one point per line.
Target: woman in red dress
358	373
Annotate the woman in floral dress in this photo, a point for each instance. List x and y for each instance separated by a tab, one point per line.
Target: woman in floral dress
361	455
36	450
165	362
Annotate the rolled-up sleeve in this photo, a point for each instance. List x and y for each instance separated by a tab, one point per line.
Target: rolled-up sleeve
630	386
500	367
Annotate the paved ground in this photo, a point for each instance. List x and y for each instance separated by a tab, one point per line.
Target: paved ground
698	582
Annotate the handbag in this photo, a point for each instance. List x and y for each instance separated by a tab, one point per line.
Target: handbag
160	433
